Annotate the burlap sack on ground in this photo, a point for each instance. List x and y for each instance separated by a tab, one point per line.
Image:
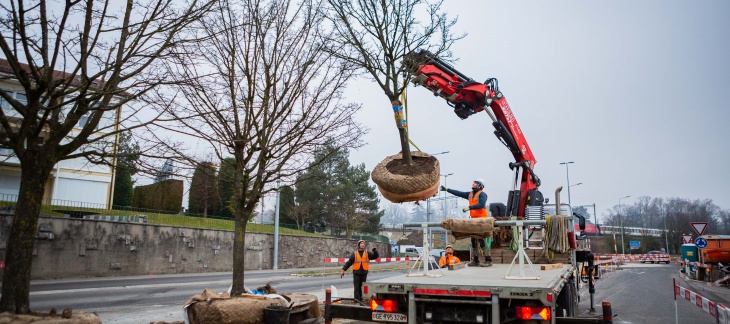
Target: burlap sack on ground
211	307
76	318
469	227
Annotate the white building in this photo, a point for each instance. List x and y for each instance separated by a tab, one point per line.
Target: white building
74	180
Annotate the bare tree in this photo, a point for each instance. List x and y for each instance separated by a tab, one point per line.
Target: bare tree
265	92
301	214
377	34
80	66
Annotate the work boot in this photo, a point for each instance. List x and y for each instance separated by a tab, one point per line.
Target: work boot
487	262
474	263
483	262
475	257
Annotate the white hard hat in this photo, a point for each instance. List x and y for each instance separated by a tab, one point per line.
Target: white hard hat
480	180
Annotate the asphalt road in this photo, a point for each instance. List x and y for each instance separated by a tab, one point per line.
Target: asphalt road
145	299
639	293
642	293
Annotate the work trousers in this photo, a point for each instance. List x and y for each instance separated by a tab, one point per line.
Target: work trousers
357	280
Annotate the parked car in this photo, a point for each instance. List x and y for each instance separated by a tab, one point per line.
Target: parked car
437	253
657	252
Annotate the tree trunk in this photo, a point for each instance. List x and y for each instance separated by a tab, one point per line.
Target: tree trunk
19	254
403	133
239	255
405	148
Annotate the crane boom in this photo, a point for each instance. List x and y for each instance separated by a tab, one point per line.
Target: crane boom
468	97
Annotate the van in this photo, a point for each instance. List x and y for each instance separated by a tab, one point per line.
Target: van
413	251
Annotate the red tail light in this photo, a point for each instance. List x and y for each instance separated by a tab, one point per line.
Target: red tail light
384	305
533	313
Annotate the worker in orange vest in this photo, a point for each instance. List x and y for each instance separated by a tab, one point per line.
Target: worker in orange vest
360	262
477	209
448	258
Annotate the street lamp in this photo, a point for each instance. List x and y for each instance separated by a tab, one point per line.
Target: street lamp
567	175
276	225
621	223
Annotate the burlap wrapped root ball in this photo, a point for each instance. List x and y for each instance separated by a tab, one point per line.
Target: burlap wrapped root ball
399	182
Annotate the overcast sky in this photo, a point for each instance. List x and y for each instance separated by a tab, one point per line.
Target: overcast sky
631	91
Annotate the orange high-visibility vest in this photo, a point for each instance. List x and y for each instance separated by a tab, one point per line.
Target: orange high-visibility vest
448	260
364	260
473	200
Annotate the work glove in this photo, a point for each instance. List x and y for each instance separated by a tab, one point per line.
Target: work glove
342	273
375	250
443	188
465	209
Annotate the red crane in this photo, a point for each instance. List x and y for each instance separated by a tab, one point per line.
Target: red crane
468	97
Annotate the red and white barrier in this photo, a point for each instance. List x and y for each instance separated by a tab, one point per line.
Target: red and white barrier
378	260
637	257
719	311
717	283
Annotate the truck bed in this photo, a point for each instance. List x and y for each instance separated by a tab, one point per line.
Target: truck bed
481	278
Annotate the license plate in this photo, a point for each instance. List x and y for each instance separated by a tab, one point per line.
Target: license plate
389	317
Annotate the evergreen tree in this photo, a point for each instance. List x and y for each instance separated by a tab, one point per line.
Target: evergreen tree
203	196
286	204
337	194
225	187
126	167
418	215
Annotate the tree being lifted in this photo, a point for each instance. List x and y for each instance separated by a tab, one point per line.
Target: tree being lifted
376	36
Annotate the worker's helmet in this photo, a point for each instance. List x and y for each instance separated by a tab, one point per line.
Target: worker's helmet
448	246
480	183
358	242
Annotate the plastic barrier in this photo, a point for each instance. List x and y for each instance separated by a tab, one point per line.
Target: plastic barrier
379	260
719	311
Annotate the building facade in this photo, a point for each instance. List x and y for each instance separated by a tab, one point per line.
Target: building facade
76	180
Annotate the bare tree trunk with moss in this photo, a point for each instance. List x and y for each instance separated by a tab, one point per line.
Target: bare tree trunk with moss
374	35
76	67
264	92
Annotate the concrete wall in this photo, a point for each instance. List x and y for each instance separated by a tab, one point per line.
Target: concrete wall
68	248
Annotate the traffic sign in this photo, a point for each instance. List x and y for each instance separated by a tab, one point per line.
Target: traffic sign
701	243
634	245
699	227
686	238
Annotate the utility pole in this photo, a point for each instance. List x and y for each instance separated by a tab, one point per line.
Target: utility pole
276	226
621	223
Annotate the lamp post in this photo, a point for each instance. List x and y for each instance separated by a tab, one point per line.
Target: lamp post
276	226
428	204
621	223
446	176
666	240
567	176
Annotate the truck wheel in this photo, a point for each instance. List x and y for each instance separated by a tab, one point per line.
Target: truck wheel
566	301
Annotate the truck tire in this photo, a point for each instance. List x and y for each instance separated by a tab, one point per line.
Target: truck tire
498	209
566	302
